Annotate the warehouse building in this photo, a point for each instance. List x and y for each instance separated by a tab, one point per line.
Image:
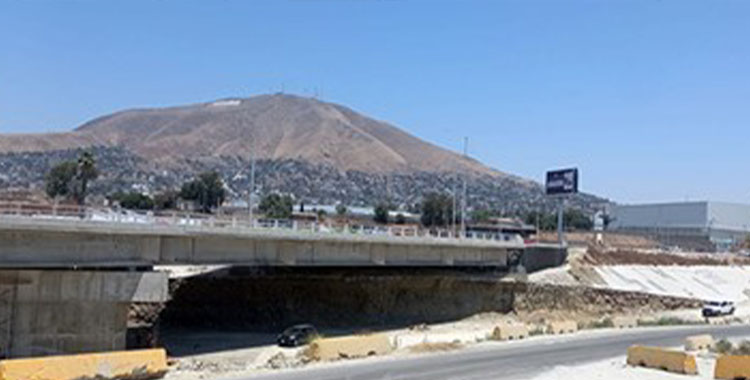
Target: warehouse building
705	225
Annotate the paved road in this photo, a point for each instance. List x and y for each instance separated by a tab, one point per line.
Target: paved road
516	360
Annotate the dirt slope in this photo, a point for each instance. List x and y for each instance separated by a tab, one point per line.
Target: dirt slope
283	127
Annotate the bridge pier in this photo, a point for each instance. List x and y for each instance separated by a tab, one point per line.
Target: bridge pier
50	312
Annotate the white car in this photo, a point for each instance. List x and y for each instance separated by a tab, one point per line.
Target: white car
712	309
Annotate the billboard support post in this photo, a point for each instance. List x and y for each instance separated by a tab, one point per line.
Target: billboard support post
560	184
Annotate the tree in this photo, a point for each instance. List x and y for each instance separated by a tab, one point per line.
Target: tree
341	210
400	218
277	206
85	172
577	220
381	214
207	191
134	200
481	216
71	179
437	210
543	221
573	220
59	180
166	200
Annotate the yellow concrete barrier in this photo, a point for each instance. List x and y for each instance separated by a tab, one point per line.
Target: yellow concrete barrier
510	332
562	327
624	322
698	342
349	347
140	364
732	367
659	358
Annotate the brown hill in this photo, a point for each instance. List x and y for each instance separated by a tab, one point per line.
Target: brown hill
283	127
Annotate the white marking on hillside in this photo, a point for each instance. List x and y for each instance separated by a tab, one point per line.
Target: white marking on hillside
225	103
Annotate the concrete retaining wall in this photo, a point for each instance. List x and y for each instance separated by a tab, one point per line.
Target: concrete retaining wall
624	322
139	365
350	347
730	367
334	298
562	327
543	257
67	312
698	342
659	358
510	332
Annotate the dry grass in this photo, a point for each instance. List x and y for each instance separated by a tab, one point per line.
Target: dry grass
436	347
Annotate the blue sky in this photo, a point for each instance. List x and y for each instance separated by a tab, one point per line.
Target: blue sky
650	99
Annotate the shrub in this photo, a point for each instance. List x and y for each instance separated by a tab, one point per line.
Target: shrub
743	348
723	346
601	324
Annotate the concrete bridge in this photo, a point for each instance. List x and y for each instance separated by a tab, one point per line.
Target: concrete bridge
48	243
66	283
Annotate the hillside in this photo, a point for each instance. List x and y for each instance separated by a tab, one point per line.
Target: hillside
321	152
278	126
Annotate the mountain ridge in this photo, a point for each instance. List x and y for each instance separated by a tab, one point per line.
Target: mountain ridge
302	137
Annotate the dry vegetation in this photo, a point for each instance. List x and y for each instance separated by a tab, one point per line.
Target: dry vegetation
435	347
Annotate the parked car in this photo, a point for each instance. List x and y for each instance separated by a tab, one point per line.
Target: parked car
715	309
298	335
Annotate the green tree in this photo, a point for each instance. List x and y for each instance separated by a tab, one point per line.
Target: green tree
481	216
71	179
85	172
436	210
59	180
207	190
166	200
400	218
341	210
544	221
381	214
134	200
577	220
277	206
572	219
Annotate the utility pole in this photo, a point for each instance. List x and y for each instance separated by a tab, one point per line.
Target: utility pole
453	213
252	183
463	197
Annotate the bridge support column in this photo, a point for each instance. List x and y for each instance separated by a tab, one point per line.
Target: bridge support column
50	312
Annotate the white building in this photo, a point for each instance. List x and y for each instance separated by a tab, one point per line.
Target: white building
692	224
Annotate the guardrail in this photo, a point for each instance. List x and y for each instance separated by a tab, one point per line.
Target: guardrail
193	220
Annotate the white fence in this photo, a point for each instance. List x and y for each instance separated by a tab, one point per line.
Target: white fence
193	220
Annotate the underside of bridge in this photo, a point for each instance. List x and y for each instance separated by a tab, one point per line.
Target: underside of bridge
271	299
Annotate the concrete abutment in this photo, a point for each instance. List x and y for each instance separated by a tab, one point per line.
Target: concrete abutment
53	312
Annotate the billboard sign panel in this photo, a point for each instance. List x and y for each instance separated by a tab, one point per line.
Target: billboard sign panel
563	181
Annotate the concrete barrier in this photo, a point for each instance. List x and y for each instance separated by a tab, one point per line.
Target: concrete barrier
624	322
659	358
510	332
350	347
562	327
730	367
140	364
698	342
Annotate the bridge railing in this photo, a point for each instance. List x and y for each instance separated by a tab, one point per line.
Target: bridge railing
74	213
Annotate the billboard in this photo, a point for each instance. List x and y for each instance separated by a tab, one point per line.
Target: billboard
564	181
